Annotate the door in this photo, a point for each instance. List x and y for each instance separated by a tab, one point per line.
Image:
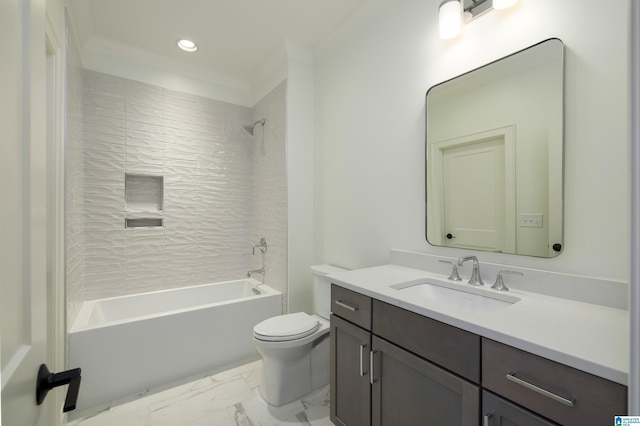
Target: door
408	390
350	390
23	216
474	195
471	182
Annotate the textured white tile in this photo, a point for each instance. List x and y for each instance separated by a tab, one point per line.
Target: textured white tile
179	140
139	93
144	168
91	139
144	241
144	143
104	167
144	135
104	202
213	184
144	111
183	237
98	146
99	84
103	107
104	129
106	278
148	125
106	269
113	255
138	160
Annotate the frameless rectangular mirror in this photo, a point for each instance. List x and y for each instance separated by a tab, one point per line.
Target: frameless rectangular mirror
494	155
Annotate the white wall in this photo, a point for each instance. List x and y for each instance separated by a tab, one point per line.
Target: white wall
370	126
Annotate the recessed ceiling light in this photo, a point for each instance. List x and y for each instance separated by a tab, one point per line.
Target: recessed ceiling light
187	45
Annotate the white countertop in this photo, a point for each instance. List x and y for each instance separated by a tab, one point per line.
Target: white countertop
585	336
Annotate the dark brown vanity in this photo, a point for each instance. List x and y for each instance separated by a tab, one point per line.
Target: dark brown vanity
391	366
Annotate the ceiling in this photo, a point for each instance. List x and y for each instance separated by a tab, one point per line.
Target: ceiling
235	37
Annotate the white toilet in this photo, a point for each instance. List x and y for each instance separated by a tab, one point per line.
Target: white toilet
295	347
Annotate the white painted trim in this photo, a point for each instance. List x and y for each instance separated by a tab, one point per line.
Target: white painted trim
56	302
435	179
634	173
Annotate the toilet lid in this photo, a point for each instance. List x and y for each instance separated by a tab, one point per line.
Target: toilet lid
286	327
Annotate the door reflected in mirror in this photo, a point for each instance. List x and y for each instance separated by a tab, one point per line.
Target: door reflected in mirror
494	155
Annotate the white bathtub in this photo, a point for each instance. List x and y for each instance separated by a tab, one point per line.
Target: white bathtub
127	345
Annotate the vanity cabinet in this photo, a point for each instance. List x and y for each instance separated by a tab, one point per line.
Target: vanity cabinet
376	381
391	366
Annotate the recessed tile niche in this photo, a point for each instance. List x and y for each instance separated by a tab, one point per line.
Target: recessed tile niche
143	201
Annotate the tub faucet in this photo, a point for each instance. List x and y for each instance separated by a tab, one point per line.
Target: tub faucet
255	271
475	275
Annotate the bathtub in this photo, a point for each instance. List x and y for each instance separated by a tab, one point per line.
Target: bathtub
130	344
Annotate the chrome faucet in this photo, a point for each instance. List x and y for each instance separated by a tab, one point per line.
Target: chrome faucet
475	275
262	245
255	271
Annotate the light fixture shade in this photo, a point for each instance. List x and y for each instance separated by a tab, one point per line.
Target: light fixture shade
450	18
503	4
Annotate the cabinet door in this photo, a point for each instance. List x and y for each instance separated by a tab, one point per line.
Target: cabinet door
407	390
349	389
500	412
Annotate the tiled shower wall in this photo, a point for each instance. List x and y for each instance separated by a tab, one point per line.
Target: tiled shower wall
74	183
206	160
269	207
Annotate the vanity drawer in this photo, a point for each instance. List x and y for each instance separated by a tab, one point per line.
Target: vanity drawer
352	306
455	349
555	391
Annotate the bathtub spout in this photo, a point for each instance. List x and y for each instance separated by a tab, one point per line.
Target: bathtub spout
255	271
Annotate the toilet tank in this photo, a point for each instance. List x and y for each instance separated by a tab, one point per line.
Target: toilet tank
322	288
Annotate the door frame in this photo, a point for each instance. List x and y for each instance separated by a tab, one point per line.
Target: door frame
56	270
435	180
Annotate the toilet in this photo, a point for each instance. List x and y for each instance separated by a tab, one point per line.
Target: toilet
295	347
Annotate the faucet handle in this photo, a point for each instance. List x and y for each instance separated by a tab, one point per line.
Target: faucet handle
262	245
454	271
499	284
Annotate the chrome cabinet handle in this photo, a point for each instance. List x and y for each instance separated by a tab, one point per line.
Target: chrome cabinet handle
486	420
347	307
362	372
568	402
372	378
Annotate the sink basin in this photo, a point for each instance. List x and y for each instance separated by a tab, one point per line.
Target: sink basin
471	299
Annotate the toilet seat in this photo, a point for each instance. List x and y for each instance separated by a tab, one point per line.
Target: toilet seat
286	327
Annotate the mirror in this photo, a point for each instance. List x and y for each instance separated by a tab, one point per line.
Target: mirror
494	155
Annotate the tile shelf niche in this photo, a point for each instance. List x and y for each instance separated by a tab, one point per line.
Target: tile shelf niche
144	201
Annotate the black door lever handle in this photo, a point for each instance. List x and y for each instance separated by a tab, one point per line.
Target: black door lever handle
48	380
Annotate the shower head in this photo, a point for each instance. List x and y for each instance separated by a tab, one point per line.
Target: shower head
249	127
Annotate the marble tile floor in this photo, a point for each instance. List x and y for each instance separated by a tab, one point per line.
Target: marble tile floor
229	398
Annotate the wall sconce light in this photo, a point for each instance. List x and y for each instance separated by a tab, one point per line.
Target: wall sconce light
452	13
450	19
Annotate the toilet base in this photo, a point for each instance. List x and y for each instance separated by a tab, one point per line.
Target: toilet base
290	376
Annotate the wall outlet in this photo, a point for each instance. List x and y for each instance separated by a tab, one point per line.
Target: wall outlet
531	220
